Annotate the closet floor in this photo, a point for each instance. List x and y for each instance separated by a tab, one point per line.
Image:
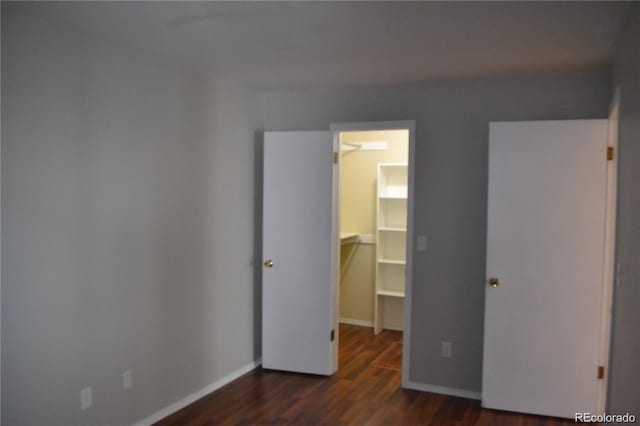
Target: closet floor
365	390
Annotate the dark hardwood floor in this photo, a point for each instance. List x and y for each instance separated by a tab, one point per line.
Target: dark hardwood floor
365	391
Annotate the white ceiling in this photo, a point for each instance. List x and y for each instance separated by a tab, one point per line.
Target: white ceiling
326	43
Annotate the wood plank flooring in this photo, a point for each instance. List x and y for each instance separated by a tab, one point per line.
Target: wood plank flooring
365	391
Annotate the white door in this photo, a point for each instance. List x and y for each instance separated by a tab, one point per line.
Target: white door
297	311
545	243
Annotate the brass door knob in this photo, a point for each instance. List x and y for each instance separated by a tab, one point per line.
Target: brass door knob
268	264
494	282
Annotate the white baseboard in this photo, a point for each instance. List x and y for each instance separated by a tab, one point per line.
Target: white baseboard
353	321
392	327
178	405
463	393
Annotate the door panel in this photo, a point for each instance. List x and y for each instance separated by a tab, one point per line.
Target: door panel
297	238
545	242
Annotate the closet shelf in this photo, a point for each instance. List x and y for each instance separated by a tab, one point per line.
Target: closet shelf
392	261
392	197
390	293
349	237
355	238
392	229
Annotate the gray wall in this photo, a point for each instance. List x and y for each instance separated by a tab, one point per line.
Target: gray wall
130	197
120	248
625	349
451	188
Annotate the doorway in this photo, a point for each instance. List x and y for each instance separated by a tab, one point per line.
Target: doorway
373	220
373	231
301	245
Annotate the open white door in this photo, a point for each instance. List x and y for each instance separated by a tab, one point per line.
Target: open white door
297	311
545	244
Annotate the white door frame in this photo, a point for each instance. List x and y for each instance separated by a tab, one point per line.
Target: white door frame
372	126
609	270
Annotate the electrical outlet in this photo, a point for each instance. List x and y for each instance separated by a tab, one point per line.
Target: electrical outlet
422	243
127	380
446	350
86	398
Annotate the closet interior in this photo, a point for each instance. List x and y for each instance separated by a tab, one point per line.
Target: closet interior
373	228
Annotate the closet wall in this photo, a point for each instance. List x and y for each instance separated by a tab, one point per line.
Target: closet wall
358	214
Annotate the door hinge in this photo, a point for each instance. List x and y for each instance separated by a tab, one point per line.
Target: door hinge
333	335
609	153
335	158
601	372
